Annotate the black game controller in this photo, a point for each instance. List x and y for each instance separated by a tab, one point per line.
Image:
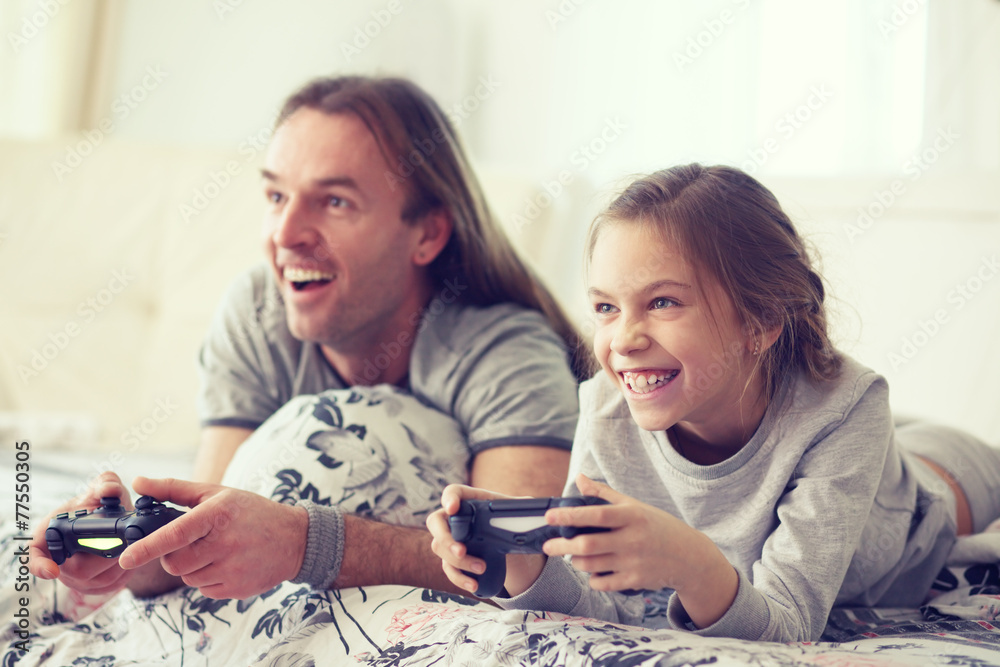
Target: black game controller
108	529
491	529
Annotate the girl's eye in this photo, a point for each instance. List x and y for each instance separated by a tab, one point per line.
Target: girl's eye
274	197
663	302
604	309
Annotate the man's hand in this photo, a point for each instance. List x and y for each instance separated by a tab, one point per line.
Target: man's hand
645	548
231	544
522	569
83	572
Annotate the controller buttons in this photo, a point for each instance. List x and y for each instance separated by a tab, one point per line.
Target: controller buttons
63	515
110	501
81	513
143	502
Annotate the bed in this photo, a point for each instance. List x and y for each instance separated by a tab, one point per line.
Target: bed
294	625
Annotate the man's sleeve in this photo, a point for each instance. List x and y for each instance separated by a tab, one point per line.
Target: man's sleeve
506	379
236	363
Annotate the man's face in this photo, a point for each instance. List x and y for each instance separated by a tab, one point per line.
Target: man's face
342	255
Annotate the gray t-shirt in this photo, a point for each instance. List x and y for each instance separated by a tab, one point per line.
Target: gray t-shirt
499	371
822	506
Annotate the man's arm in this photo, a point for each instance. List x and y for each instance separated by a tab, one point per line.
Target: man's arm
218	447
522	470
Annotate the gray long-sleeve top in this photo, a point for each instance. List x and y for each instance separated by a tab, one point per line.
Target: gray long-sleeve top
820	507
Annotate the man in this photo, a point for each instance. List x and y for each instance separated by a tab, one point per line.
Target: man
385	267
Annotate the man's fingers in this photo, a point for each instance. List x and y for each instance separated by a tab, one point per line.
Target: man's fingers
186	561
109	484
41	564
177	534
177	491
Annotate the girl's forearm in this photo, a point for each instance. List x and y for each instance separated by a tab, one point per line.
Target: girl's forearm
710	584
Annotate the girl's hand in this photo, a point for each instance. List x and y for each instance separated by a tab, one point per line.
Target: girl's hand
645	548
522	570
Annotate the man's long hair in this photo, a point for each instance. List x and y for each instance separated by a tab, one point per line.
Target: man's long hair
425	157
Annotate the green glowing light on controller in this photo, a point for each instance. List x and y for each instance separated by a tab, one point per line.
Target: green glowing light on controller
101	543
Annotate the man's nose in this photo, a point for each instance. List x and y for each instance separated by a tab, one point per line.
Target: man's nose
293	225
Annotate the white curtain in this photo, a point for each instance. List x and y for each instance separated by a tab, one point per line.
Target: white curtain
802	88
55	65
963	81
787	87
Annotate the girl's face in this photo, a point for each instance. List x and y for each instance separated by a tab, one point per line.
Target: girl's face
671	340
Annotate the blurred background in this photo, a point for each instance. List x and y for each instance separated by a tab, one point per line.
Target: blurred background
876	122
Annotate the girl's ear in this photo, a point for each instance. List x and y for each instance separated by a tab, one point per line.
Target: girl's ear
759	341
435	230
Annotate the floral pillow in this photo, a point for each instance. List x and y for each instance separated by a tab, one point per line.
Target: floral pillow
376	451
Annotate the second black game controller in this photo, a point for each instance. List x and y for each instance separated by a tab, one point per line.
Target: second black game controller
491	529
107	530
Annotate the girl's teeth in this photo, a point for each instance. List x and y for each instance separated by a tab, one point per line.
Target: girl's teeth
643	384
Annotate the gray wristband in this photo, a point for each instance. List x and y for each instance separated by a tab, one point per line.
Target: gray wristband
324	546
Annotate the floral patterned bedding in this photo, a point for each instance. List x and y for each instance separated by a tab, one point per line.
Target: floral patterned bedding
335	447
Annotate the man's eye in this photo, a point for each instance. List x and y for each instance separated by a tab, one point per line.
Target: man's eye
274	197
336	202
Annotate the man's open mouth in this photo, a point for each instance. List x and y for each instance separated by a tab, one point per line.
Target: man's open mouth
647	381
304	279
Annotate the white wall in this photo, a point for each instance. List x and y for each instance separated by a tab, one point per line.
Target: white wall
642	84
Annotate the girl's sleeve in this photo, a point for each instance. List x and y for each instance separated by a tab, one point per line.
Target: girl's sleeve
819	522
560	587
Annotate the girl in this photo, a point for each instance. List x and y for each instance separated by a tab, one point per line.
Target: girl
773	482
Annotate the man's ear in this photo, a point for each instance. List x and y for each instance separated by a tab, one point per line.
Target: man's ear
435	230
